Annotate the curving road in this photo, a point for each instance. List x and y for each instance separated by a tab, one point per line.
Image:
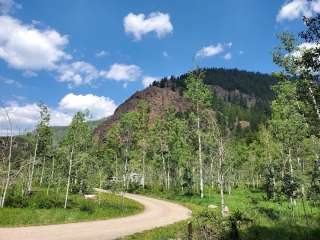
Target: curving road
157	213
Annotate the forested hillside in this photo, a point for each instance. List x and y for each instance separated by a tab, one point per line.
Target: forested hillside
241	98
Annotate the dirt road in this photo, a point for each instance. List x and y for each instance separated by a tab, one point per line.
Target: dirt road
157	213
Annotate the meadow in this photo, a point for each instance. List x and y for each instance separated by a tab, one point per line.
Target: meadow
256	218
40	209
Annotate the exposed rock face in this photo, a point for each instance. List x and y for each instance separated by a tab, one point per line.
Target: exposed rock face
159	99
233	96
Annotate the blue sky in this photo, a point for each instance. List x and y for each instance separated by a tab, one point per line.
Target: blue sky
94	54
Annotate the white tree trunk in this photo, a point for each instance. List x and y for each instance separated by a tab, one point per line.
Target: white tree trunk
143	169
51	177
126	171
33	164
69	177
9	164
291	174
42	170
200	157
221	174
316	107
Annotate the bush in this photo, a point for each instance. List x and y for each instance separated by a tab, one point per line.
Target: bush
236	221
16	201
87	206
41	200
208	225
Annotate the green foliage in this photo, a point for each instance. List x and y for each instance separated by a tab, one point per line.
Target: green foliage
260	220
208	225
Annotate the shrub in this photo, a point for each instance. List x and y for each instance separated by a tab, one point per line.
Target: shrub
87	206
236	220
208	225
16	201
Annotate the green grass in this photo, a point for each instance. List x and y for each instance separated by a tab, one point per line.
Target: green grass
78	210
270	220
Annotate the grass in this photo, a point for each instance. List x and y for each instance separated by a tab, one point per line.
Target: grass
270	220
37	211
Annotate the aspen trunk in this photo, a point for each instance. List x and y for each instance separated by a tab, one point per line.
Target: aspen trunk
143	169
164	174
51	177
69	177
33	164
42	170
200	157
9	167
221	174
126	170
168	175
315	105
291	174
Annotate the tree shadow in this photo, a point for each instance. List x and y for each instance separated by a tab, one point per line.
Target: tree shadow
271	213
282	231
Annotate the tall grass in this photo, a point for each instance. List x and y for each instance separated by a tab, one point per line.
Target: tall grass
272	220
40	209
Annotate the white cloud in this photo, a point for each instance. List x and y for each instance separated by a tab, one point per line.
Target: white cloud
229	44
25	117
29	74
102	53
165	54
210	51
99	107
227	56
297	8
9	81
77	73
26	47
7	6
303	47
241	52
139	24
148	80
122	72
22	117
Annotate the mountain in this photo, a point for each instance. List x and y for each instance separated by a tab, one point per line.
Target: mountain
242	97
60	131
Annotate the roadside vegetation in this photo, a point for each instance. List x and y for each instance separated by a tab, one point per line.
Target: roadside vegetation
40	209
255	218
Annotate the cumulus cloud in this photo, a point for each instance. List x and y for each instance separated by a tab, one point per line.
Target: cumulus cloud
77	73
139	24
148	80
301	48
25	117
99	107
7	6
212	50
28	48
227	56
122	72
297	8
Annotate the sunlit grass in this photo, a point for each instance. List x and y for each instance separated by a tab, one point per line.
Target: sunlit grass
270	219
79	209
